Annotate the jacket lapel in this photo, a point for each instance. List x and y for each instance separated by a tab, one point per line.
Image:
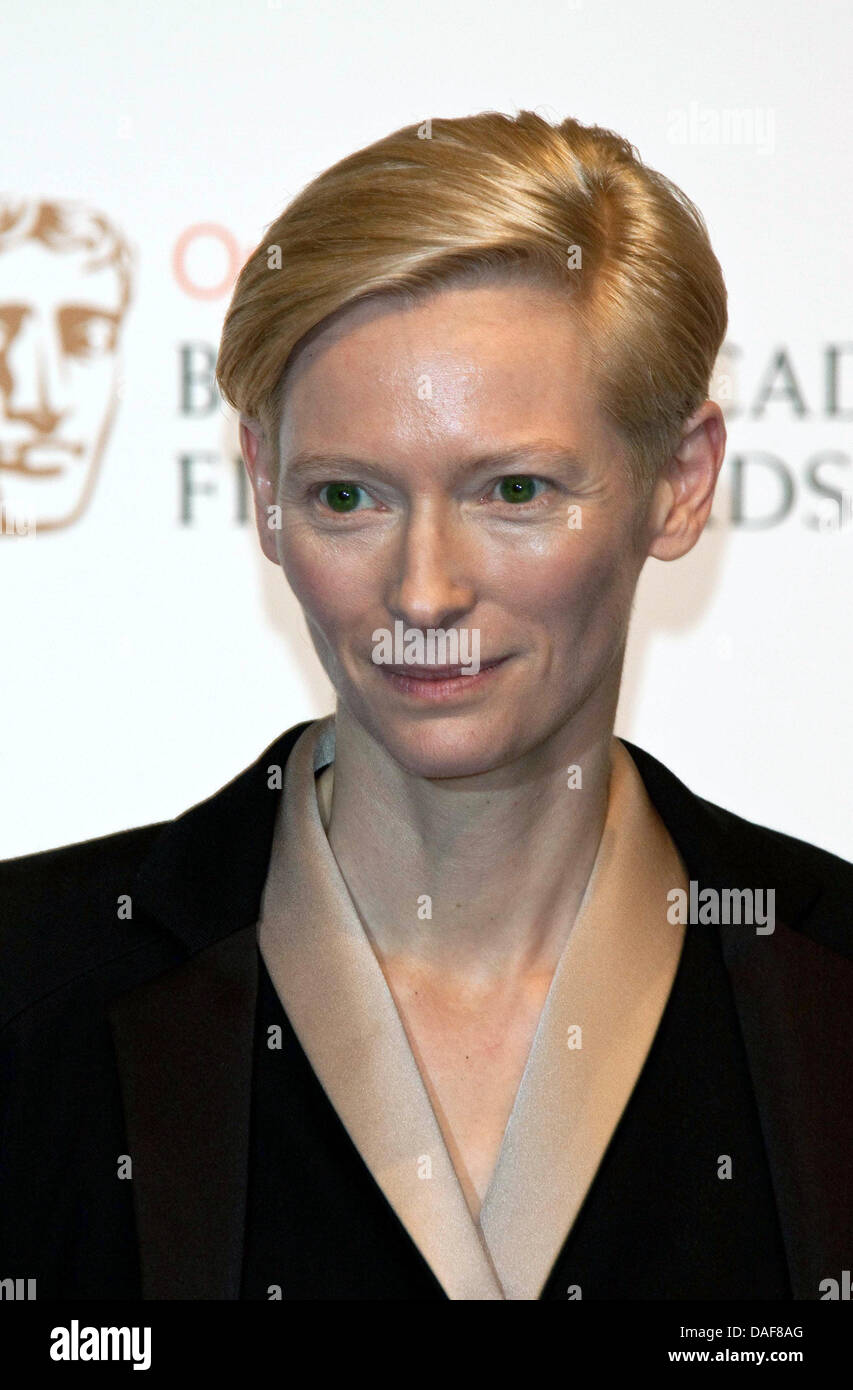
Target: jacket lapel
794	997
795	1000
184	1040
184	1048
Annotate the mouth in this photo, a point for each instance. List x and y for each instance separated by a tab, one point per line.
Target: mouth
43	459
440	682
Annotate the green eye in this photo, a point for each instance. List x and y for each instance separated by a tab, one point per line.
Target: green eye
518	488
341	497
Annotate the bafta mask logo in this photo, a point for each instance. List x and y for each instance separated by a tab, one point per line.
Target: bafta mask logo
65	285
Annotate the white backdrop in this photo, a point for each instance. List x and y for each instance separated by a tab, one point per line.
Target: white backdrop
149	651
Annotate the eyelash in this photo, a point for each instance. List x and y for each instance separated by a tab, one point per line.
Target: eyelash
512	506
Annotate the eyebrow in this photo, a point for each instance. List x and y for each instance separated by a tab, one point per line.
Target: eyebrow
307	460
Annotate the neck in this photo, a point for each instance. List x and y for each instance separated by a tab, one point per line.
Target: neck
481	880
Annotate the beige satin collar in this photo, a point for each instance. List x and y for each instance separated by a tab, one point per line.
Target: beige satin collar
613	980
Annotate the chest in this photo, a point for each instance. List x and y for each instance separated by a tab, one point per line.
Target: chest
471	1047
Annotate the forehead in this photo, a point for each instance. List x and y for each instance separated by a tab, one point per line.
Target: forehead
483	359
31	272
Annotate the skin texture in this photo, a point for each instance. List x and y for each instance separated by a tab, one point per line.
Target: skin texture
466	799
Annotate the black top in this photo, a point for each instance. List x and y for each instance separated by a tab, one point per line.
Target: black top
658	1222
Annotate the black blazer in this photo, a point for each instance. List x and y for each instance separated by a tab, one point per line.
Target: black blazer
133	1037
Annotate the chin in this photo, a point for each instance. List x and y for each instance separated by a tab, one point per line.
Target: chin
451	746
445	762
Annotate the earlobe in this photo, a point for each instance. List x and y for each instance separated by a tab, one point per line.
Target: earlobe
666	517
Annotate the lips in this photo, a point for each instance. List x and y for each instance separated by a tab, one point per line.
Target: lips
42	459
440	673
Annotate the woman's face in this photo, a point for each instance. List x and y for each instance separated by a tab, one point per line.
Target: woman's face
468	483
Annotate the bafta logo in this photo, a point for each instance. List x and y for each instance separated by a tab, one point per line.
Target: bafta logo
65	286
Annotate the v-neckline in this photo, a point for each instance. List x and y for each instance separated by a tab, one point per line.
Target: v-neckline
324	773
451	1142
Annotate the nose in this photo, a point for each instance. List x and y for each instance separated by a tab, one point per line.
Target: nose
428	588
33	385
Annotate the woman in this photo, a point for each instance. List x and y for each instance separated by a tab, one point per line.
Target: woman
437	1025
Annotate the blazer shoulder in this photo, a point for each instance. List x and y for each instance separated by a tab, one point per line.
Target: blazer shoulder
65	914
776	848
33	883
81	923
74	930
822	882
829	867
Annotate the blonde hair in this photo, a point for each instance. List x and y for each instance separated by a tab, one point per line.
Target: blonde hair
491	196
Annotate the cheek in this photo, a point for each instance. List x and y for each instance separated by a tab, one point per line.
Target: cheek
331	582
580	592
306	569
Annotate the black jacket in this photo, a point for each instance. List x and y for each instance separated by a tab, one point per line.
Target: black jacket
133	1037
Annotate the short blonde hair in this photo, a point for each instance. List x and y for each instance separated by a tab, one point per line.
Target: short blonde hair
486	197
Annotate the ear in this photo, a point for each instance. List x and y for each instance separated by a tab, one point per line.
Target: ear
682	498
259	466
